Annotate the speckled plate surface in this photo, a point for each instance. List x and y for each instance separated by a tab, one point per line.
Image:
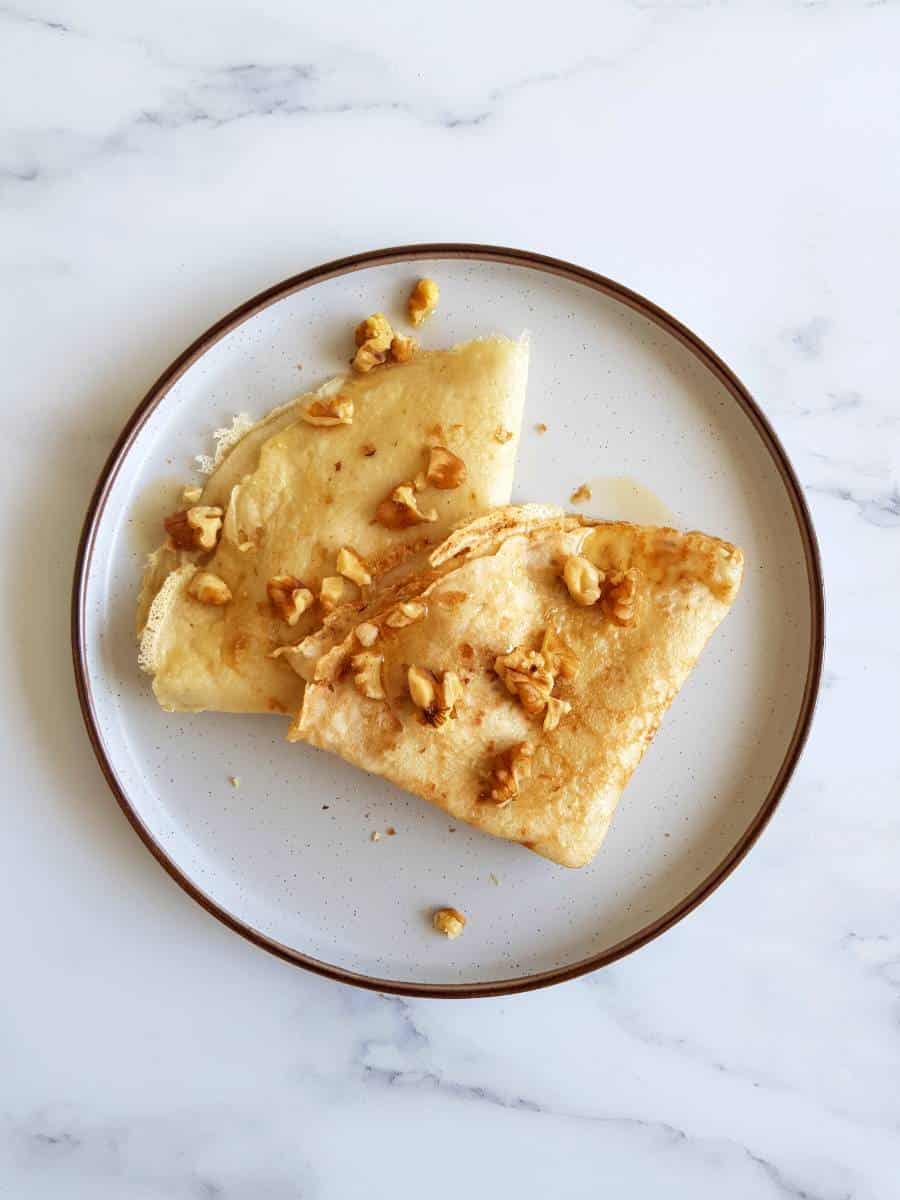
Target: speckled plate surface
633	403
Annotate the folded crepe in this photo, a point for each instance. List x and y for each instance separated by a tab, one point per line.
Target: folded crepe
241	574
517	681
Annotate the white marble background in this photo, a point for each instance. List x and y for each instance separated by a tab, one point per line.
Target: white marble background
737	162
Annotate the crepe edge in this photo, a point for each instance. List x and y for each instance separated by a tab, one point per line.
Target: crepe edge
160	608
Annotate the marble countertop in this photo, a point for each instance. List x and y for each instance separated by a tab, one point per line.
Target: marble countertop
736	162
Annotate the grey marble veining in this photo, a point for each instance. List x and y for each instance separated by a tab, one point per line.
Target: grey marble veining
734	161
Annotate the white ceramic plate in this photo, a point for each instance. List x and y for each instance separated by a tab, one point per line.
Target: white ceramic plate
287	858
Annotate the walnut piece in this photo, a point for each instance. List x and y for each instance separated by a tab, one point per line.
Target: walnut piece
289	597
507	773
422	687
367	675
445	469
371	354
437	699
366	634
400	510
448	921
195	528
373	340
583	580
502	435
620	596
402	348
556	710
526	675
376	326
209	589
405	613
352	567
330	411
581	493
541	427
333	592
423	300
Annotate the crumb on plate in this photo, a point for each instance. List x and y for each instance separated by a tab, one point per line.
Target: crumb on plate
423	300
449	921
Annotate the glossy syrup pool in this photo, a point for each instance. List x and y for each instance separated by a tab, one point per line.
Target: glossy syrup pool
621	498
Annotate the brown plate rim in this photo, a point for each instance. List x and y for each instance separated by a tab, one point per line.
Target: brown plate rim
507	256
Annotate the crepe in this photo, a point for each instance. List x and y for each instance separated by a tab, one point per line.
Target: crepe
295	494
544	650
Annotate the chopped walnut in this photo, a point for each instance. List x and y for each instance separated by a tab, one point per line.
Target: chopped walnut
333	410
541	427
422	687
508	770
376	326
449	921
367	675
401	509
402	348
436	699
352	567
445	469
333	592
206	521
620	596
405	613
289	597
195	528
372	353
583	580
209	589
581	493
526	675
556	710
502	435
191	494
366	634
373	338
423	300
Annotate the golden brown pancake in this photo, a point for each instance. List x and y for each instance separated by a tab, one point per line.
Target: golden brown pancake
544	651
294	494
